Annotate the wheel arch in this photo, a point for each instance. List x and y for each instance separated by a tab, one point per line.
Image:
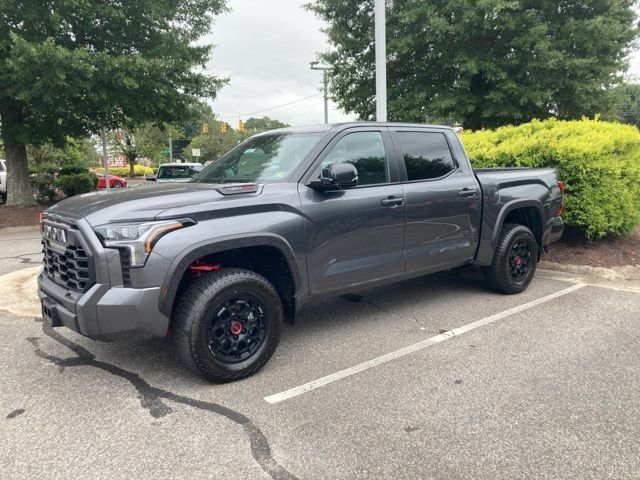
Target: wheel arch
250	244
529	213
533	212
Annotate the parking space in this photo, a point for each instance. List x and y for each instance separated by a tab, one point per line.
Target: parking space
548	389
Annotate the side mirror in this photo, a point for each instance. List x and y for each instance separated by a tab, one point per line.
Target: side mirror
152	178
340	176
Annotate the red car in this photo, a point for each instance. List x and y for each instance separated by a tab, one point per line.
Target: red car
114	181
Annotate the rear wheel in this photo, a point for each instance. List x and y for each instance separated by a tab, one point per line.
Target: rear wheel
514	261
116	185
227	324
4	197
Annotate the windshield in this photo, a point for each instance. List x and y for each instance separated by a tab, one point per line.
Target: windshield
178	171
266	158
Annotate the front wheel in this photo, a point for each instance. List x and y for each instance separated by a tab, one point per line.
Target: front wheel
514	261
227	324
4	197
116	185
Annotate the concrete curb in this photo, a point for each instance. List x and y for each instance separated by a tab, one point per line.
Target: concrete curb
619	278
19	292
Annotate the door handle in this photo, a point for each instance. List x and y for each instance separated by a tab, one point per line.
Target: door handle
392	201
468	192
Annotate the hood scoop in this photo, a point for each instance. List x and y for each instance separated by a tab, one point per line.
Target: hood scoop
237	188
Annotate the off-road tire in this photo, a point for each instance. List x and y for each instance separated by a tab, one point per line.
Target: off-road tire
195	309
498	275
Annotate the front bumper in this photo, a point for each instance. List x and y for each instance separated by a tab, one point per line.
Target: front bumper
102	311
105	308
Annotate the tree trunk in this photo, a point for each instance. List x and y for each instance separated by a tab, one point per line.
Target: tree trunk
19	191
132	165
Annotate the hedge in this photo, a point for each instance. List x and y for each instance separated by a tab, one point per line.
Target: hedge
140	170
77	183
599	161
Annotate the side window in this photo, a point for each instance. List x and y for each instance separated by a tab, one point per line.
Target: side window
365	150
426	155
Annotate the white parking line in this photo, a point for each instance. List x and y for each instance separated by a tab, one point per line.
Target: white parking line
347	372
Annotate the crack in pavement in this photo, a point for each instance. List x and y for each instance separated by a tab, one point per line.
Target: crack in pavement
151	398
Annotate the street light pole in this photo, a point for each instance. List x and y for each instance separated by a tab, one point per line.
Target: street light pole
325	81
381	61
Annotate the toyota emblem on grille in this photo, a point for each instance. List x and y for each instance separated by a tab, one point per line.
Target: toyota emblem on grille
56	234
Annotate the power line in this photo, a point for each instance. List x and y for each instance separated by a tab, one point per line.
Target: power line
239	115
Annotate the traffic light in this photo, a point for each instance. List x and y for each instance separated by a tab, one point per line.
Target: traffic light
205	128
240	125
223	127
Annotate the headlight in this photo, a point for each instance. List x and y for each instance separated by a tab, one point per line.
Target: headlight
137	238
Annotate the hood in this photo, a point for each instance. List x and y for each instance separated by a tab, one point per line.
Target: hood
133	204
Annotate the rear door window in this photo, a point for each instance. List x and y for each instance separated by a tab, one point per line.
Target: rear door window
426	155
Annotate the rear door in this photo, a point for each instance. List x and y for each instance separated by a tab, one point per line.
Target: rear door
443	200
355	236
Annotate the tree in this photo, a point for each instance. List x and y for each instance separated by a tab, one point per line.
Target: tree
483	62
70	68
256	125
624	104
75	152
215	143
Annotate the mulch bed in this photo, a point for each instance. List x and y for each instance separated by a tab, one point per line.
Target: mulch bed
613	251
20	216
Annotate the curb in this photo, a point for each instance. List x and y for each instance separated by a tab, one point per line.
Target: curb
618	278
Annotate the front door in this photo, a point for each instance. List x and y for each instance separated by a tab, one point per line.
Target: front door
355	236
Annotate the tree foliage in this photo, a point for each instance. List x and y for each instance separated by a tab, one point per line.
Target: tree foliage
482	62
214	143
70	67
76	151
256	125
624	103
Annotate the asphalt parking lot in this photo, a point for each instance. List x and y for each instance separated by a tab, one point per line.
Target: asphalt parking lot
430	378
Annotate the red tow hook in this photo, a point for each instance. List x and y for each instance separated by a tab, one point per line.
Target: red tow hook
199	269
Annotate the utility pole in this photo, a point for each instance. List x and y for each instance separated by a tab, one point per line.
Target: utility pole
381	61
325	81
170	150
105	159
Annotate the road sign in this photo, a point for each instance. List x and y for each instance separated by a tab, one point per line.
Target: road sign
195	152
166	151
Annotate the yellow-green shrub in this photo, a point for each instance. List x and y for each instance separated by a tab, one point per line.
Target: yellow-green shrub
599	161
140	170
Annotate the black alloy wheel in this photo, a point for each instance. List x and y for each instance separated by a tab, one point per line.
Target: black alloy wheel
520	259
237	328
514	260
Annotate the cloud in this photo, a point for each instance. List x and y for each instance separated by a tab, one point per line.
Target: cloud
264	47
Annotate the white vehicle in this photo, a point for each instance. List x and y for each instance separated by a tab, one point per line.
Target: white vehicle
3	180
177	172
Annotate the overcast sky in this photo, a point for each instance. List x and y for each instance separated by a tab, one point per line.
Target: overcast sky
264	47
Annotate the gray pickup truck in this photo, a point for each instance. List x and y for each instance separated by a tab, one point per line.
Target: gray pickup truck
286	217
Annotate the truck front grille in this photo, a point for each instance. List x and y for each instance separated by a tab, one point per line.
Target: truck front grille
68	265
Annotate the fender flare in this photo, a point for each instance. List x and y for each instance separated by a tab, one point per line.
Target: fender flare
509	207
184	259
